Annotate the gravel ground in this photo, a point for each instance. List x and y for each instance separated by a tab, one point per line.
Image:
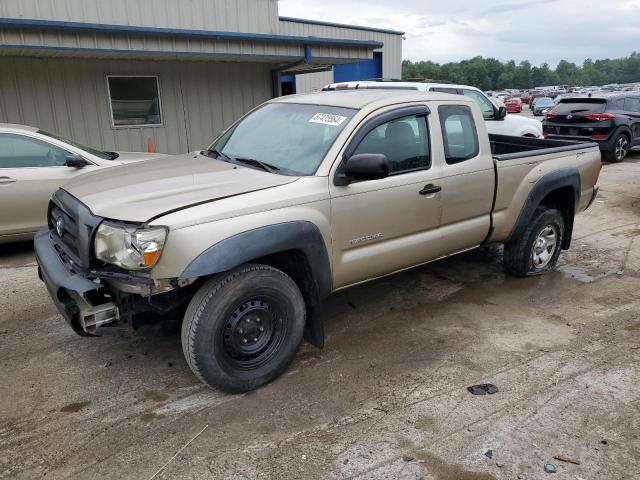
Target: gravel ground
385	399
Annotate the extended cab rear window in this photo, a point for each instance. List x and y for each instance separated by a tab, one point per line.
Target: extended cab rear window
458	132
572	106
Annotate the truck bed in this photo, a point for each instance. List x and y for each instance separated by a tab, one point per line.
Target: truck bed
504	147
520	162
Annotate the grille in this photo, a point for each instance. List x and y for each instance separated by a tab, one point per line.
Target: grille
66	227
72	225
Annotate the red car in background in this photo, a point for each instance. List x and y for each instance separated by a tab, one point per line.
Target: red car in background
513	105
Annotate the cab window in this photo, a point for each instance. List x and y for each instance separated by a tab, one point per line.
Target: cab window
458	133
19	151
487	108
404	141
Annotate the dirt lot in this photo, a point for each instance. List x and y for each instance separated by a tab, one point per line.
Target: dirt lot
386	398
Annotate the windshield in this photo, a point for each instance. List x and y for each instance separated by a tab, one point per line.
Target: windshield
544	101
292	137
92	151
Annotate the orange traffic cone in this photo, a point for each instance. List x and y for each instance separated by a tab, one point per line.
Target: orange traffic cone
151	148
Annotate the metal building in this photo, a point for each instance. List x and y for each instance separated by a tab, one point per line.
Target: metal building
126	74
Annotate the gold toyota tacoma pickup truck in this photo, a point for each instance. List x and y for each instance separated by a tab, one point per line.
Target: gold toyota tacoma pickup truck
303	196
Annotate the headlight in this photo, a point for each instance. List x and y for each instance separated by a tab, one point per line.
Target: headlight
129	247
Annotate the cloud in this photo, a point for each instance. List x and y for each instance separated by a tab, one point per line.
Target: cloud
542	31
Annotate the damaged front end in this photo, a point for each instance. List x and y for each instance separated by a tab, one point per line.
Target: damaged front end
93	297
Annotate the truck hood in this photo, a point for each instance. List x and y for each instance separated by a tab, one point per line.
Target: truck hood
128	157
141	191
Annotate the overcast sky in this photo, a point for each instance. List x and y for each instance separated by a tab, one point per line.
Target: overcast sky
452	30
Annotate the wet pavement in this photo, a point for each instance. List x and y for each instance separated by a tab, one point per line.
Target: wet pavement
386	399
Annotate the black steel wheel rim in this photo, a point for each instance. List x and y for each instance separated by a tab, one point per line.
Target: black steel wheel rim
253	333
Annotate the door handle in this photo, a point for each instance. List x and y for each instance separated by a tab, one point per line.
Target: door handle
6	180
430	189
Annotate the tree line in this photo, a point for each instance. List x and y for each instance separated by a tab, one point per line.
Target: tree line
492	74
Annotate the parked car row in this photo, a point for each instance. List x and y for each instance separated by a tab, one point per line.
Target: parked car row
613	121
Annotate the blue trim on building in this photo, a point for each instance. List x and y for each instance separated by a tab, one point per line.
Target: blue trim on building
307	54
364	70
176	54
170	53
77	27
340	25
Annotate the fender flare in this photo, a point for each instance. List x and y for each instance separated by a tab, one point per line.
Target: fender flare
260	242
271	239
566	177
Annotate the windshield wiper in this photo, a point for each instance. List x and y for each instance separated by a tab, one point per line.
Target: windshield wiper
212	152
263	165
267	167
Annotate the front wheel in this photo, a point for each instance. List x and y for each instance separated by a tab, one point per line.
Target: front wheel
619	149
538	248
242	328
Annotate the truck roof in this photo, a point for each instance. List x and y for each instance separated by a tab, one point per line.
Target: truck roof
359	99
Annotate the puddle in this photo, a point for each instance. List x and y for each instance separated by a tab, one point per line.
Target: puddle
576	272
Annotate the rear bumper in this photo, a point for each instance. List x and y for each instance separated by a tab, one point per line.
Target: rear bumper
69	290
604	145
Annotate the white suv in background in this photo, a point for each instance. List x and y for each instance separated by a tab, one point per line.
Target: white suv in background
495	115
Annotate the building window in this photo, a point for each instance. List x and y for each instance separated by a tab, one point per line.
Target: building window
134	100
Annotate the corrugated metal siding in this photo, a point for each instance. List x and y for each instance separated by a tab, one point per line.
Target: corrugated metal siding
69	97
257	16
313	82
106	41
391	51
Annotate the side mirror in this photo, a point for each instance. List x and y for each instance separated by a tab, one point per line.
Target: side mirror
75	161
502	113
364	166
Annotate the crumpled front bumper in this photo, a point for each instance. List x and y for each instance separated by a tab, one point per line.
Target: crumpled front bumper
69	290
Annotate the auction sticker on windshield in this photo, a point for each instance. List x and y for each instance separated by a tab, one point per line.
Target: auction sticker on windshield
327	119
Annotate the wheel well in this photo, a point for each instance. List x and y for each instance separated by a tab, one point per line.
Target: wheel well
563	199
295	264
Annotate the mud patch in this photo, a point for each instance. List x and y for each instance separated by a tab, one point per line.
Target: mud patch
75	407
424	422
149	417
446	471
156	396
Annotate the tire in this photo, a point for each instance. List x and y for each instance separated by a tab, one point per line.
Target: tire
525	256
619	149
243	328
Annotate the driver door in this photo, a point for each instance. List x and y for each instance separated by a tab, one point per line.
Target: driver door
384	225
30	171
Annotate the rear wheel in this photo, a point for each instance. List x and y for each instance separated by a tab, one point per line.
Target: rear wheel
619	149
242	328
538	248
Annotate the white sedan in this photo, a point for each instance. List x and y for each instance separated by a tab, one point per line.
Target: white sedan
33	164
